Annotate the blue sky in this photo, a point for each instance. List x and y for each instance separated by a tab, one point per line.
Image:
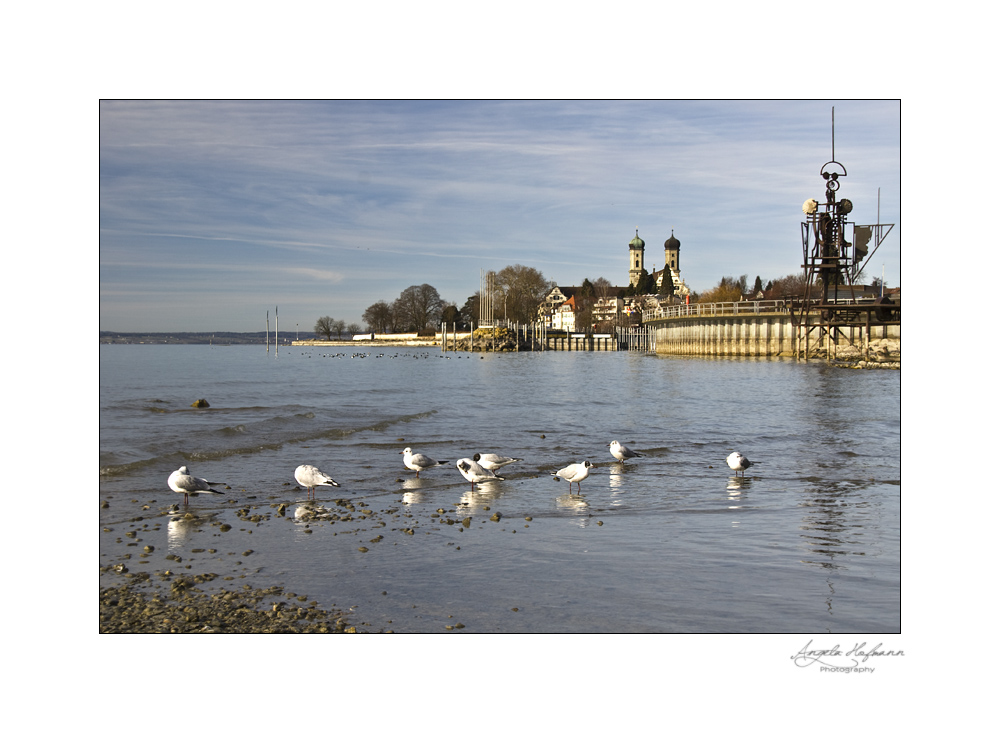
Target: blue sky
213	213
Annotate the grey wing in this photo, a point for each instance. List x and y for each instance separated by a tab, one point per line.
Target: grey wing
192	484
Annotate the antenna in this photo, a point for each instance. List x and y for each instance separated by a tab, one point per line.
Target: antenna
833	154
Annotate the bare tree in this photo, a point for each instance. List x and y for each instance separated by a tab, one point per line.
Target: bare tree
419	307
325	326
378	316
519	291
786	287
602	287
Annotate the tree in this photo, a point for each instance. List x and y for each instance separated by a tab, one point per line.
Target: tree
585	298
451	314
521	289
646	284
354	329
790	286
667	284
325	327
729	290
757	286
602	287
470	311
378	317
419	307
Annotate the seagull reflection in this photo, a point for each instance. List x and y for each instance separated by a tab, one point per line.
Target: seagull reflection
311	512
572	501
482	496
182	525
734	490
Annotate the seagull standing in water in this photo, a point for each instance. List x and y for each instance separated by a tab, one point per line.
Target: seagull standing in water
622	452
574	473
738	462
184	483
493	461
418	461
474	472
309	477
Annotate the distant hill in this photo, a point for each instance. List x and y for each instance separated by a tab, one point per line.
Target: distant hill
184	337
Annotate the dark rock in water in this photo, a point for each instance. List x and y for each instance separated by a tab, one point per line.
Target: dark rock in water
200	403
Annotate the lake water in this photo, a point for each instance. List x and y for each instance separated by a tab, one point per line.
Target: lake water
808	542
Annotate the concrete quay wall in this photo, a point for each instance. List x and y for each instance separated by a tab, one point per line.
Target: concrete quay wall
756	335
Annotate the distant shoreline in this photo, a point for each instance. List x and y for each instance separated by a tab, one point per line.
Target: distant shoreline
285	339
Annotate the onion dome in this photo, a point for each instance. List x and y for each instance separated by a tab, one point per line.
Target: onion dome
636	243
673	242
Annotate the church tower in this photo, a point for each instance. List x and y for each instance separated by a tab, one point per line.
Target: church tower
672	254
672	262
635	255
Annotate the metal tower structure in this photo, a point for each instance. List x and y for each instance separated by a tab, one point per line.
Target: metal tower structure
834	252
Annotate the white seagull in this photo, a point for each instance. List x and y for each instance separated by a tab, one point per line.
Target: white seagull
309	477
622	452
418	461
184	483
574	473
738	462
493	461
474	472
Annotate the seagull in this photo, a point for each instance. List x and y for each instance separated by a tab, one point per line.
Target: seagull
418	461
493	461
184	483
622	452
474	472
574	473
309	477
738	462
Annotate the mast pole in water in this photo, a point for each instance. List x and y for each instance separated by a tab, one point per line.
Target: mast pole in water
275	330
267	333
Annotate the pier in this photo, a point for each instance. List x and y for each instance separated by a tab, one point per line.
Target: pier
771	328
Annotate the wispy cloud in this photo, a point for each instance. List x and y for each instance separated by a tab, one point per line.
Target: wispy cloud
383	195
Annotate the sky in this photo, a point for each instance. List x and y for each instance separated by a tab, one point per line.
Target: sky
215	213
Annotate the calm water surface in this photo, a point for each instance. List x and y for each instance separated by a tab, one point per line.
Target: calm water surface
809	542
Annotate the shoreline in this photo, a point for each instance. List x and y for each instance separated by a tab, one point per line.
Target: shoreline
141	605
209	589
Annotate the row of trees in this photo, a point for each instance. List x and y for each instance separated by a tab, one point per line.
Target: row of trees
517	292
417	308
731	289
327	327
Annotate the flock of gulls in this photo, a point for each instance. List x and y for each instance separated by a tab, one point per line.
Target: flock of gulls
481	467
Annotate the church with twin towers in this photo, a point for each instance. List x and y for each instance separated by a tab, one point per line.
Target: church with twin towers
561	308
671	262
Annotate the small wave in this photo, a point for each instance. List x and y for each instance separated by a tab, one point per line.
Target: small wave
179	457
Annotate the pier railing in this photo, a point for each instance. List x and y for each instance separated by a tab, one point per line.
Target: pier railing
743	307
